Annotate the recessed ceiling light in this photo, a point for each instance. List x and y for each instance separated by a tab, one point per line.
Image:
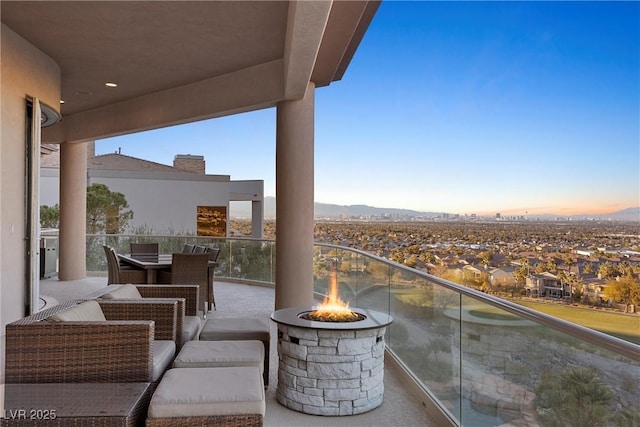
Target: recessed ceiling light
62	101
111	84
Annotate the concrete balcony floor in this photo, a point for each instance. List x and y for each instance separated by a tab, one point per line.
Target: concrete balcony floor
399	408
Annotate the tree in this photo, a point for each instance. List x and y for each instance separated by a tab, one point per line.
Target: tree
625	290
397	256
521	274
607	270
412	261
540	268
106	210
50	216
588	268
576	397
576	294
486	257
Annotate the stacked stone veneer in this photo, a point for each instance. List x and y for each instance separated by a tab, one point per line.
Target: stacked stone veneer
330	372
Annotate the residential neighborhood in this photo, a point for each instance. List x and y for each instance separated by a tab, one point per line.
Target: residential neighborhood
572	261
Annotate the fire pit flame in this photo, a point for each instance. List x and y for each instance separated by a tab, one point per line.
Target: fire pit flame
333	309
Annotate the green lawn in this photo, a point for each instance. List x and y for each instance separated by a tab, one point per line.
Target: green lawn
624	326
619	325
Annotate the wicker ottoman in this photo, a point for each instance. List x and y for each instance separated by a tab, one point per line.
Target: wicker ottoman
213	354
208	397
234	329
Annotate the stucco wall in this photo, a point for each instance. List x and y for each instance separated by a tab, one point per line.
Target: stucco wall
25	70
49	186
165	203
162	202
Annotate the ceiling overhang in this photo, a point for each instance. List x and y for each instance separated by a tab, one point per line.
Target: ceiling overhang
177	62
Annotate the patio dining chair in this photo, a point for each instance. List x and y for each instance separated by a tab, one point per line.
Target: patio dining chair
213	254
117	274
199	249
189	269
187	249
145	251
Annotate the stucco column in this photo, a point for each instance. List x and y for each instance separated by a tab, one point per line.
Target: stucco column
257	219
72	253
294	201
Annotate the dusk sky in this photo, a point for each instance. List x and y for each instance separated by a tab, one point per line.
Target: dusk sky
460	107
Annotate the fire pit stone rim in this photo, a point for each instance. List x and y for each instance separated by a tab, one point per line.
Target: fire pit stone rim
291	317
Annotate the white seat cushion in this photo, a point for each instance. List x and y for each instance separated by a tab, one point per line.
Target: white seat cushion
88	311
193	392
122	292
235	329
191	328
211	354
163	352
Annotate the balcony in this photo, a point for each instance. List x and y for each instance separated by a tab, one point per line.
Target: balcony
454	356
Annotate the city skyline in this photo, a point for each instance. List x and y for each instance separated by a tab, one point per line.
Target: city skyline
461	107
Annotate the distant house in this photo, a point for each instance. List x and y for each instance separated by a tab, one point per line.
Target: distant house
584	252
502	276
473	270
546	285
164	199
593	289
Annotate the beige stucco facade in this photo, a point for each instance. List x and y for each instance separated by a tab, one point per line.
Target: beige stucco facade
26	71
164	199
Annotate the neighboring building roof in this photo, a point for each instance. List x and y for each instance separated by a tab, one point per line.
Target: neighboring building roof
46	149
115	161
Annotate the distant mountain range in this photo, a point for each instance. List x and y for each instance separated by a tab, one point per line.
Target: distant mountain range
331	211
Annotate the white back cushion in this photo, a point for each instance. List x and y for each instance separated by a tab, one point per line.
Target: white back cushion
123	292
86	311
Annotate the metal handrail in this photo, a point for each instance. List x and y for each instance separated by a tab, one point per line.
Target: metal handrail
617	345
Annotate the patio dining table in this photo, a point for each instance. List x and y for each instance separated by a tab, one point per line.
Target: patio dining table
151	263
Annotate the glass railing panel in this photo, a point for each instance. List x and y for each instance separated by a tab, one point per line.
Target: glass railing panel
96	258
518	371
326	262
422	335
353	268
362	281
249	260
496	354
331	267
370	283
373	285
345	264
321	270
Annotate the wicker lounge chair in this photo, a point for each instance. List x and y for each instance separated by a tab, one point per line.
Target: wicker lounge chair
188	323
49	347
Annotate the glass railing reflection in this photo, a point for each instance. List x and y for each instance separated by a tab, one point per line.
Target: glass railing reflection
488	362
485	361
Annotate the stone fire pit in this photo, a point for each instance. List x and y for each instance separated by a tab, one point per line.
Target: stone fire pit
330	368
